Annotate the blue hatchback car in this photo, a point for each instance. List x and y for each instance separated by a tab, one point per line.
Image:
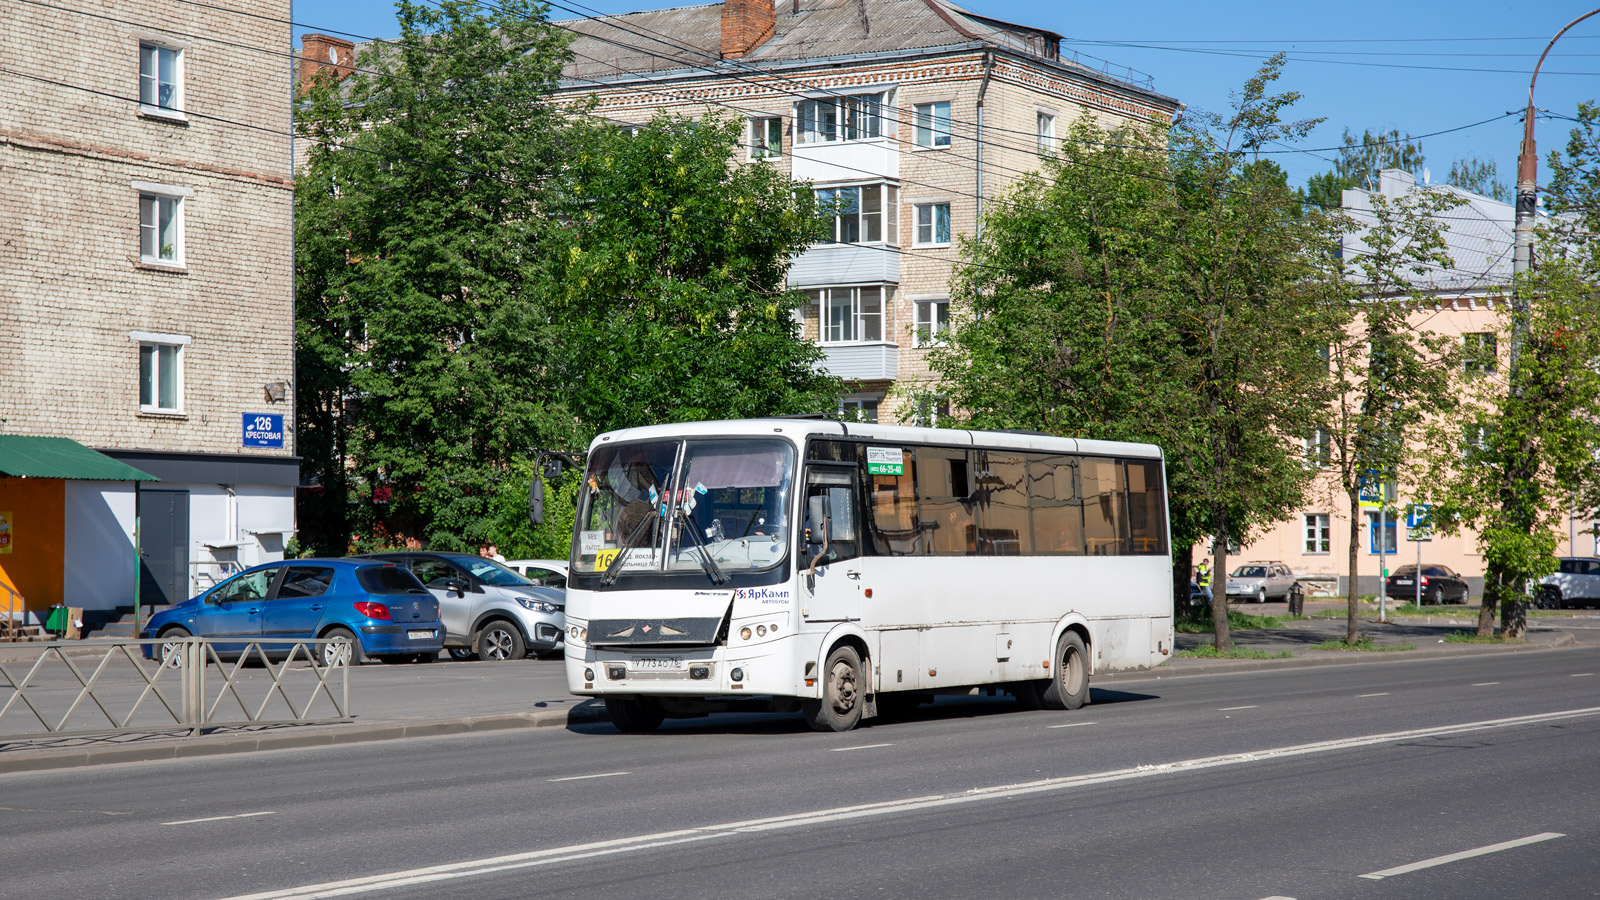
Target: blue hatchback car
381	608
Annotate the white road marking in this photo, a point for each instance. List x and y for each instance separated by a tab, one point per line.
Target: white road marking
582	777
217	818
1485	683
487	865
862	747
1384	694
1071	725
1465	854
1276	897
1232	708
1583	675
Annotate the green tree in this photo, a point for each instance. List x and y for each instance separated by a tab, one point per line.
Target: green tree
1359	163
1389	378
1480	176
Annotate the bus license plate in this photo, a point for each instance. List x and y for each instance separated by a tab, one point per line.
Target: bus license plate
419	635
656	663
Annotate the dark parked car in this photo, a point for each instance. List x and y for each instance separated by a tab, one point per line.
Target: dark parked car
380	608
1440	584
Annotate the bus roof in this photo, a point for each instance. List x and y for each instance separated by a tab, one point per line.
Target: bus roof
798	429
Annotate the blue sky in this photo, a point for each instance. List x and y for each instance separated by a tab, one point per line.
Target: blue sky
1419	66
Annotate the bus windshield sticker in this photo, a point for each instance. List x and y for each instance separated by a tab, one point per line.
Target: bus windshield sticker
885	461
590	542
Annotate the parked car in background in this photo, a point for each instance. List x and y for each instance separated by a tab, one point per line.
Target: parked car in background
1440	584
488	610
380	608
551	573
1575	583
1260	582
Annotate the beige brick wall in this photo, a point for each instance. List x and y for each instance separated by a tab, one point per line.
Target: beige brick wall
71	284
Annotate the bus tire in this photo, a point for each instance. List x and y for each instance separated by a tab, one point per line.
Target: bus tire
839	709
1069	687
634	715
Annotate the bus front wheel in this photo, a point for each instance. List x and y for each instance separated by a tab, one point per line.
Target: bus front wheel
634	715
842	685
1069	687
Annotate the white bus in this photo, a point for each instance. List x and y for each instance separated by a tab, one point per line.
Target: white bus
848	569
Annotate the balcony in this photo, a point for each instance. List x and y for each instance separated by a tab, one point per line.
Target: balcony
826	264
874	361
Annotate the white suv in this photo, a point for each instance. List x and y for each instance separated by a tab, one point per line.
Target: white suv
1575	583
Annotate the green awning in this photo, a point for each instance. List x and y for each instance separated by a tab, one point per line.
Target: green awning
23	456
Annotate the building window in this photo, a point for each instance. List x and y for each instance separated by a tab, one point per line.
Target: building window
1389	534
854	118
1047	132
933	124
766	138
1319	449
1474	440
160	377
160	78
854	314
928	410
160	228
859	409
933	224
863	214
1478	355
933	322
1317	534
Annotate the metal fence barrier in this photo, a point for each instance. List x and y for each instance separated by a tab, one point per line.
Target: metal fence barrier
188	685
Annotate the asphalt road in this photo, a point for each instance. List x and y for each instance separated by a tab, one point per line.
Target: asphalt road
1293	783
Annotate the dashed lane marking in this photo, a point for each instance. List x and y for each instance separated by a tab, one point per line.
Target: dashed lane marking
388	881
1382	694
1465	854
1071	725
1583	675
1485	683
862	747
1232	708
582	777
249	815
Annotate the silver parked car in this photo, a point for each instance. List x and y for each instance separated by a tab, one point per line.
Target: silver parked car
487	609
1576	582
1260	582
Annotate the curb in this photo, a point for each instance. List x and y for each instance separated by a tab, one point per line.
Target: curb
216	745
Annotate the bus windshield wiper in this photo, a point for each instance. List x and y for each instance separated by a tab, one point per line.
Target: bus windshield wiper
706	562
615	569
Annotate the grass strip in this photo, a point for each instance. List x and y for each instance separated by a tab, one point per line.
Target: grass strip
1471	637
1236	620
1210	651
1364	644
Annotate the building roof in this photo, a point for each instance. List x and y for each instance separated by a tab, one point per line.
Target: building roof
689	37
26	456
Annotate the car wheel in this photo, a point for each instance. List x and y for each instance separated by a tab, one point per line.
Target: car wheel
171	654
1261	595
1434	596
839	709
500	641
1069	689
343	647
461	654
634	715
1548	597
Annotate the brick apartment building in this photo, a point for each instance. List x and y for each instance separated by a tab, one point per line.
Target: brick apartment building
146	303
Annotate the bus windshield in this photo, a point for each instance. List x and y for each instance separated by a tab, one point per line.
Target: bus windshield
701	505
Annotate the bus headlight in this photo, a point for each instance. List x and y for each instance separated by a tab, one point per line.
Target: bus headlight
744	633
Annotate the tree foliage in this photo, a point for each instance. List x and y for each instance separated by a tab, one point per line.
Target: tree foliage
1480	176
1159	287
1359	163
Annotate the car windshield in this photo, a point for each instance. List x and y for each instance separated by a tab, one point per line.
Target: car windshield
490	572
1250	572
719	505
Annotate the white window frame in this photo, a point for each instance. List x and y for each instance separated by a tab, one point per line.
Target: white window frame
1045	122
854	118
179	197
930	328
1319	449
887	215
1316	530
856	320
1480	353
862	403
932	225
157	342
928	131
179	51
760	136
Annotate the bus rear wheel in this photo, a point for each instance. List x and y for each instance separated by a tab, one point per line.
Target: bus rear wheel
1069	687
842	684
634	715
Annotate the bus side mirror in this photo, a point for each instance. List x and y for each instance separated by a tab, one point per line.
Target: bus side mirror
536	501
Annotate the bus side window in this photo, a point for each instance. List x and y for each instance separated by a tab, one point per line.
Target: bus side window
1147	527
892	511
831	495
944	502
1054	507
1105	519
1002	493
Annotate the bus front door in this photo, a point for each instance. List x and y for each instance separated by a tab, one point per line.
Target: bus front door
830	569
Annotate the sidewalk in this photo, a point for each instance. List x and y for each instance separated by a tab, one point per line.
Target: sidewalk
392	702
